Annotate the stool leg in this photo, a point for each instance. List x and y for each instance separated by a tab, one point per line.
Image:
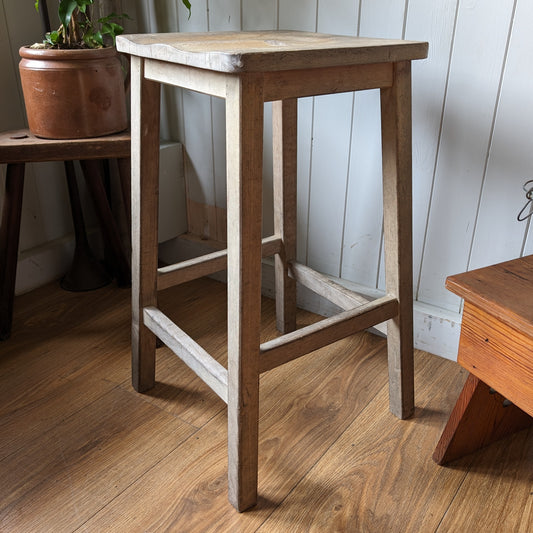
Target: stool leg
244	115
397	214
9	244
284	130
145	100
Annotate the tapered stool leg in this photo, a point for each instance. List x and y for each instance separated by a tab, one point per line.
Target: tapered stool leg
397	202
284	135
244	112
145	99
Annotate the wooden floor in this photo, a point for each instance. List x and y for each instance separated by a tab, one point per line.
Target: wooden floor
81	451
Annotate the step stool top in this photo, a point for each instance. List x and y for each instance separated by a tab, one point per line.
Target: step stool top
504	290
261	51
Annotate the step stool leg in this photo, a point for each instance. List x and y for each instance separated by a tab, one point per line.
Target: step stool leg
397	213
145	100
284	131
480	417
9	244
244	128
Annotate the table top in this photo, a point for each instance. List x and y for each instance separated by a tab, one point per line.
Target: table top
504	290
262	51
21	146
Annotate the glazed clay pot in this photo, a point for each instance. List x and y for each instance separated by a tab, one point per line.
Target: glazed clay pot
73	94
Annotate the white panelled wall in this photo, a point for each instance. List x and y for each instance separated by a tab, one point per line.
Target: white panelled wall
472	130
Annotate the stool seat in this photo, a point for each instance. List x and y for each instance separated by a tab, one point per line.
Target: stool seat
247	69
263	51
19	147
496	347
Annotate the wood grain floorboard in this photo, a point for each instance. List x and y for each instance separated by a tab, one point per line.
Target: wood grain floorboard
377	476
305	406
81	451
498	489
61	479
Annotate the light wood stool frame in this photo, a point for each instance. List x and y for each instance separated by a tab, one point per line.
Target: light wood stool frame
245	89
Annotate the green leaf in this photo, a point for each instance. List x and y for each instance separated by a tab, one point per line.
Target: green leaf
187	4
37	5
93	38
82	5
52	38
66	8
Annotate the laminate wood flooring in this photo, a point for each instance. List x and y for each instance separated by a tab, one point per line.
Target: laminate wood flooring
80	450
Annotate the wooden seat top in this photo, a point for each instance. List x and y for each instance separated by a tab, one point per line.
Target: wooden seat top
504	290
262	51
21	146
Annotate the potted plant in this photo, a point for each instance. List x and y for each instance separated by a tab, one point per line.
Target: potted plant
73	82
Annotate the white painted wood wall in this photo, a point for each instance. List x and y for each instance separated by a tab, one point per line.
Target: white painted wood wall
472	130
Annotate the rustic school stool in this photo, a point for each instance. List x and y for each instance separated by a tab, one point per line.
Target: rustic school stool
496	347
248	69
20	147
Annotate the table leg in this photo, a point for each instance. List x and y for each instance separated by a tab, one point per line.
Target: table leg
93	177
244	115
397	207
284	132
145	101
9	244
124	171
86	272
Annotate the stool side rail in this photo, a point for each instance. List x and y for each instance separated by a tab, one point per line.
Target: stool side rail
309	338
207	264
326	80
278	85
329	289
189	351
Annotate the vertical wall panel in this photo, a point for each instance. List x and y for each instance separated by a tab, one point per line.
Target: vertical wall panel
330	156
364	206
259	14
199	166
329	167
475	73
302	15
338	16
436	26
224	15
298	15
499	236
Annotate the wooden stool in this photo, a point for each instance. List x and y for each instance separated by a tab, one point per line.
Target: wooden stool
496	347
20	147
248	69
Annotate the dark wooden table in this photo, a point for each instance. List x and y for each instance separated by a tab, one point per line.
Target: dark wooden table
20	147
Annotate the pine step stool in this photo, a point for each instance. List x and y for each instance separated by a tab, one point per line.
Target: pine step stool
496	347
247	69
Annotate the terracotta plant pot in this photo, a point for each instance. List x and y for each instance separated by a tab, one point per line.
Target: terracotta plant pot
73	94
